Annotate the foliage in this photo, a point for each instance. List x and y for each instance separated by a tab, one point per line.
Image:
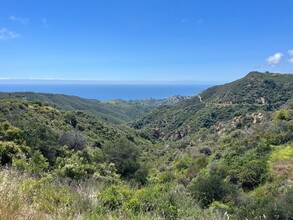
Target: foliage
124	155
282	115
224	155
36	164
11	150
10	133
74	140
74	167
114	197
155	199
206	190
257	91
116	111
23	197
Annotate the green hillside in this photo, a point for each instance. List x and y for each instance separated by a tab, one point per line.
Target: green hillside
116	111
165	101
43	126
255	92
271	89
220	155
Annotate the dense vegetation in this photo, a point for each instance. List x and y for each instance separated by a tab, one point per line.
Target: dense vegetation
115	111
253	93
219	155
165	101
112	111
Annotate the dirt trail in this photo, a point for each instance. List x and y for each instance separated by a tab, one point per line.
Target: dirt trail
200	99
229	103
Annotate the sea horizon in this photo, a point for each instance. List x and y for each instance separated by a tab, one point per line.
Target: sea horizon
106	92
49	81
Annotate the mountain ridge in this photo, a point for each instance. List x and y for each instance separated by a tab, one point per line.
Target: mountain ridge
255	91
114	111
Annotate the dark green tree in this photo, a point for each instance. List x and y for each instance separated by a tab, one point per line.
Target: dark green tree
124	154
209	189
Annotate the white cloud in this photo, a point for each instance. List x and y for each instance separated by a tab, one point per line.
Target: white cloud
291	60
20	20
275	59
6	34
290	52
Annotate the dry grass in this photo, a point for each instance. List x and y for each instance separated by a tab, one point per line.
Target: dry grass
24	197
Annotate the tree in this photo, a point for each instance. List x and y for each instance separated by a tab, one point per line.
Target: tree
124	155
70	118
209	189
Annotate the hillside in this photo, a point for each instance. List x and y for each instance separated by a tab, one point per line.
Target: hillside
255	92
43	125
166	101
270	89
116	111
202	158
112	111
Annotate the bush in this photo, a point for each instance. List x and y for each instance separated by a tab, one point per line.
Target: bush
209	189
70	118
37	164
124	155
10	150
74	167
282	115
10	133
155	199
282	208
248	168
252	174
114	197
74	140
141	175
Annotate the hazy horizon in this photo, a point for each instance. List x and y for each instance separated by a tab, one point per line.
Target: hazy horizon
105	82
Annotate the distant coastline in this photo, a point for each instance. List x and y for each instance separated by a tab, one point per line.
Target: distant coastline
108	91
53	81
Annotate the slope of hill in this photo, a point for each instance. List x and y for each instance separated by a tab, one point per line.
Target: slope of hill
166	101
220	160
117	111
256	91
43	124
256	88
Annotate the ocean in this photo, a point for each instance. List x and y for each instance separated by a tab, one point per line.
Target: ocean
108	91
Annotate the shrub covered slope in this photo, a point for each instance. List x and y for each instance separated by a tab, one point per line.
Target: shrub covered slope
225	154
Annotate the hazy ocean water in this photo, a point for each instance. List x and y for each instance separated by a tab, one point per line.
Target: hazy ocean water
108	91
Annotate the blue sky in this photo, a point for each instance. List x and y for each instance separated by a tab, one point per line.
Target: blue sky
144	40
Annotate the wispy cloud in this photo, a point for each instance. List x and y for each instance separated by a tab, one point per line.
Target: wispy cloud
23	21
274	59
290	60
6	34
45	23
198	21
184	20
290	52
